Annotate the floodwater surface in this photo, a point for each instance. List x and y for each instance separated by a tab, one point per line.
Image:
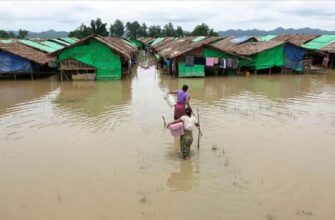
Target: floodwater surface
99	150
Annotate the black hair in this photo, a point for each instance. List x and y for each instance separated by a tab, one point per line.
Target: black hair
188	112
185	87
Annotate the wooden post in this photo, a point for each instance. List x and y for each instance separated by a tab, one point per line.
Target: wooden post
255	72
15	76
61	75
270	71
238	70
31	74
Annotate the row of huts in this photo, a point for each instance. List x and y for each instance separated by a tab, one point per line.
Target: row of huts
199	56
103	58
93	57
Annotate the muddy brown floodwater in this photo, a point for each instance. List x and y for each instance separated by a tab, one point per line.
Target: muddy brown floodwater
98	150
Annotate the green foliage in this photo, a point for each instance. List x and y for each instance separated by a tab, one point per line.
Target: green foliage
155	31
179	32
168	30
99	28
81	32
203	30
96	27
134	29
22	34
117	28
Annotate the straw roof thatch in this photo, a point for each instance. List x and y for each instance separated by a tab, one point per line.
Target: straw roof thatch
117	45
161	43
297	39
190	46
121	44
145	40
251	48
25	52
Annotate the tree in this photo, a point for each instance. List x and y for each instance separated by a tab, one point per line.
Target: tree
203	30
117	28
179	32
155	31
81	32
200	30
22	34
212	33
168	30
3	34
99	28
143	32
133	29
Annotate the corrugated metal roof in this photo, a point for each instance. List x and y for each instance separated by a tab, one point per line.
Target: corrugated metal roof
38	46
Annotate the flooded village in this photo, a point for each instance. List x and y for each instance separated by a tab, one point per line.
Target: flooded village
83	127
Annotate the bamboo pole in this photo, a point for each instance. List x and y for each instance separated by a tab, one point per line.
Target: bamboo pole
199	133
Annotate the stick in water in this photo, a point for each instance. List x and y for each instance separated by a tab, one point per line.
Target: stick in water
199	133
164	121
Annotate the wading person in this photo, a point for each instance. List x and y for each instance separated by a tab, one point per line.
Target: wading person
189	122
325	62
183	100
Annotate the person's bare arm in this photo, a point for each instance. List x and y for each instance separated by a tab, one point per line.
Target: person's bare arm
188	101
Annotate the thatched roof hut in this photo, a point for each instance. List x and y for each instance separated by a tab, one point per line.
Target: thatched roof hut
297	39
24	51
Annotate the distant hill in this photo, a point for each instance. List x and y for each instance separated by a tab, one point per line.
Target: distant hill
46	34
277	31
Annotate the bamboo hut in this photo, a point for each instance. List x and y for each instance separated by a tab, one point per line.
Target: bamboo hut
17	58
95	57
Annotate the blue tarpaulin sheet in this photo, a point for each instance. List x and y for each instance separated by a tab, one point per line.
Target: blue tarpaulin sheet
294	57
294	53
238	40
10	63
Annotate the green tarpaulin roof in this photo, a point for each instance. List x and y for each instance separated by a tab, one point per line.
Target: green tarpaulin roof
157	40
129	42
197	39
68	39
320	42
6	41
37	46
267	37
61	42
52	45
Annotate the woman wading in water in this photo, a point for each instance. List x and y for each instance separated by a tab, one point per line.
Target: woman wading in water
183	99
189	122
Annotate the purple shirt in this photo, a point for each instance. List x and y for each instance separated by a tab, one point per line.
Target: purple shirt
181	96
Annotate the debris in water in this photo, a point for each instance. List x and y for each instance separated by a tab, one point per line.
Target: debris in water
214	147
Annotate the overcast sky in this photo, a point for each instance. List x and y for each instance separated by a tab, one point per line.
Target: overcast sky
220	15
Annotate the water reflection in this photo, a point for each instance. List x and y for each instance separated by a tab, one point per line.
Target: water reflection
15	92
96	103
182	180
